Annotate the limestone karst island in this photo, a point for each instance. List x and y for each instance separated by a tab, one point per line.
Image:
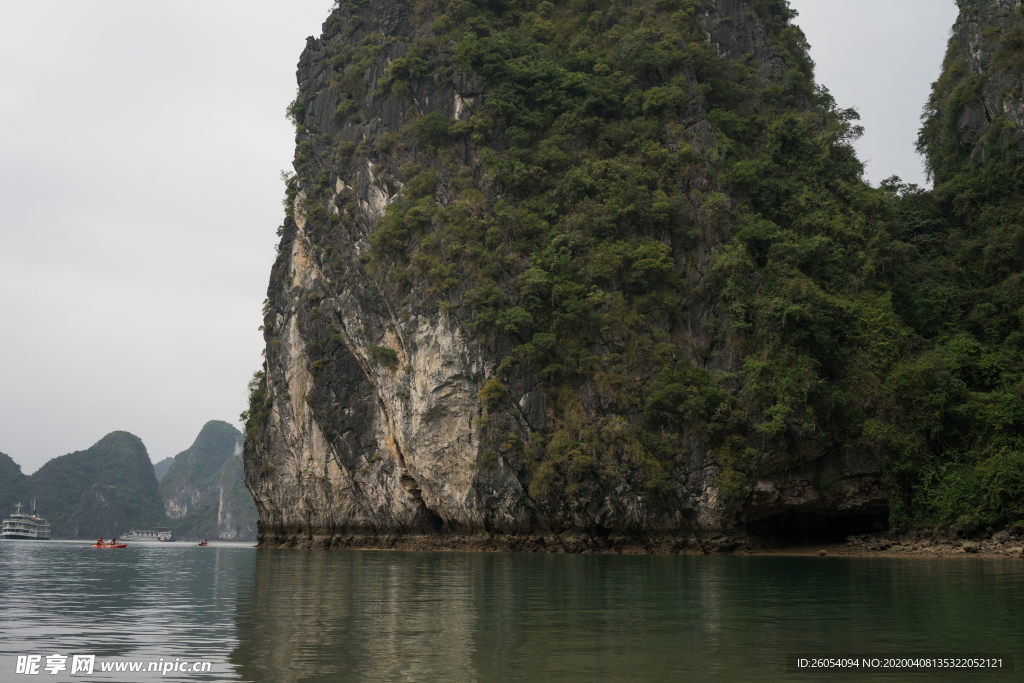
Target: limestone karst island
113	489
600	276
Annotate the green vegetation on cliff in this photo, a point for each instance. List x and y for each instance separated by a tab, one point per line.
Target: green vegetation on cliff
960	283
584	127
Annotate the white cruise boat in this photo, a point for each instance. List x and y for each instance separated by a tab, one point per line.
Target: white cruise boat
148	535
24	525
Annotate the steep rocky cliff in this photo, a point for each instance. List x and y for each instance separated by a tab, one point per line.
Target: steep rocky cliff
575	275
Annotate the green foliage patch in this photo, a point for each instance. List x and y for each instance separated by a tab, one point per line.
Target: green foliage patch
384	355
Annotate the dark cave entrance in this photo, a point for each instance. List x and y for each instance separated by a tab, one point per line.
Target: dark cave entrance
795	527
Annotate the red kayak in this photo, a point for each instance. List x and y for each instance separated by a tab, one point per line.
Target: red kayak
109	545
204	543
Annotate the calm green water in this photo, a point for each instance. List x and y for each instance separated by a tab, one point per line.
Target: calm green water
385	616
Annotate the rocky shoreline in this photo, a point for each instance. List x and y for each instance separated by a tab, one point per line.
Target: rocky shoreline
939	542
532	543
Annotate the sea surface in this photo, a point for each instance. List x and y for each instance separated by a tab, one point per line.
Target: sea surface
299	615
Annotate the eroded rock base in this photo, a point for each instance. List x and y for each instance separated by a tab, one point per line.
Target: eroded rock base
939	542
532	543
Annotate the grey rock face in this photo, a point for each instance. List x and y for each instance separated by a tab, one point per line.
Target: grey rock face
352	444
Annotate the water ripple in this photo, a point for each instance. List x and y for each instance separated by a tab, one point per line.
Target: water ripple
273	616
144	602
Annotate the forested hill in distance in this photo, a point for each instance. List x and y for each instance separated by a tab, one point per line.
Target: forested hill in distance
594	272
112	487
160	468
203	491
102	491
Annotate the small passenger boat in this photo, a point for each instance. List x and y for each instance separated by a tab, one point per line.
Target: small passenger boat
24	525
149	535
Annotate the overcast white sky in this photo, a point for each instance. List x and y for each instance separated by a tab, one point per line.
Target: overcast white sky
881	57
140	150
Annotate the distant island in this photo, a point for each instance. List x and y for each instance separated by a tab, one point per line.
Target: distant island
160	468
203	490
112	487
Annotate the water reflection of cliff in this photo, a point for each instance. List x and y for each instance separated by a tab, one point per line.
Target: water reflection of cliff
379	616
385	616
356	617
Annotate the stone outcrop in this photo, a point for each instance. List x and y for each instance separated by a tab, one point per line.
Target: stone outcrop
369	429
938	541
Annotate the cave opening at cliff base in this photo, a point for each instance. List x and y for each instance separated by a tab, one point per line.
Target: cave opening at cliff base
795	526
